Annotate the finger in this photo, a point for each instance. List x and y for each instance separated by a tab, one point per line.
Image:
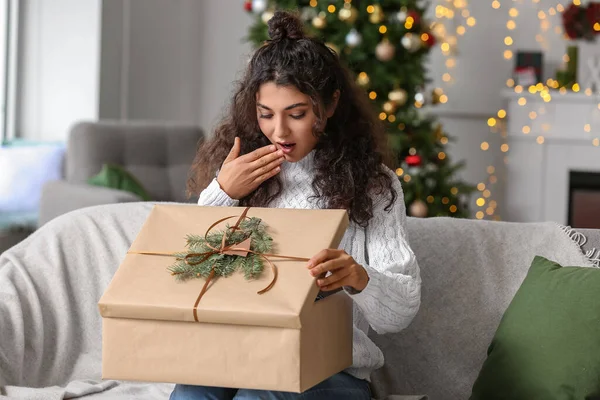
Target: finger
258	153
336	285
329	265
320	257
333	278
267	175
264	170
235	150
268	158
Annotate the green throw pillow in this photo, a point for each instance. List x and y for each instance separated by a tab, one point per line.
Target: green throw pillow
116	177
548	343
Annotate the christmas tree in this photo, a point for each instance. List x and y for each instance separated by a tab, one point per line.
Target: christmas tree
384	43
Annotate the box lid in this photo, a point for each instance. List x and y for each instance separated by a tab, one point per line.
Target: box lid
143	287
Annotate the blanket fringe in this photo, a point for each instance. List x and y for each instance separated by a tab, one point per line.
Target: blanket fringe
579	239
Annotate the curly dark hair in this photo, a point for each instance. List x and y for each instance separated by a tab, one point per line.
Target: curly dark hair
349	157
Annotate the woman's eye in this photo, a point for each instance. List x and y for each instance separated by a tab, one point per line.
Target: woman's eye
298	116
266	116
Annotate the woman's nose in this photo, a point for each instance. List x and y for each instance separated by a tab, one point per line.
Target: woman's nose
281	128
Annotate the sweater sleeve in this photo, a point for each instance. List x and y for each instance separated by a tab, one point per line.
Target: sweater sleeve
393	295
213	195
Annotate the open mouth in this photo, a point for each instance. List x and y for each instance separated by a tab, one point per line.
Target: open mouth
287	147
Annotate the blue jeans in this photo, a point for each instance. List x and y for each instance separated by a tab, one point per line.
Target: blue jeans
340	386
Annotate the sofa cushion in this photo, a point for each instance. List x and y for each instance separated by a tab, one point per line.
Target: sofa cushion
116	177
26	167
546	346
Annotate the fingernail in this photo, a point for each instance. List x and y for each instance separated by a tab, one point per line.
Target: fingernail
273	148
280	153
277	169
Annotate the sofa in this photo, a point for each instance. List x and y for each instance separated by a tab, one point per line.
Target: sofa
50	328
157	154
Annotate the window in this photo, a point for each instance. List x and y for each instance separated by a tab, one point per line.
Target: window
8	62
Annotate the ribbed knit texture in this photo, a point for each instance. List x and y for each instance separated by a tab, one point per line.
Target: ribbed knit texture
393	295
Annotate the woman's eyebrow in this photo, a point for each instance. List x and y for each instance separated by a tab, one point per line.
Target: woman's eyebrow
287	108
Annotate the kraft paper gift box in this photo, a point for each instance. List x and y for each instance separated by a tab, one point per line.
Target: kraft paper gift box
280	340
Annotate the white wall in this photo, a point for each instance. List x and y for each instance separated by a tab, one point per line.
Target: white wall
171	60
58	66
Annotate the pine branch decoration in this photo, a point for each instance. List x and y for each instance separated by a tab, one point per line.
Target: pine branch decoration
224	264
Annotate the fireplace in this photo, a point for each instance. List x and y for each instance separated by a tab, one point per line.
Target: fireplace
584	199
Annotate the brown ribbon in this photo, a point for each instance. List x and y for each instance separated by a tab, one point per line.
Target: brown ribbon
223	249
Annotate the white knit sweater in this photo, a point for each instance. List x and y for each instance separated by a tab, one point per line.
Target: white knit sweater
393	294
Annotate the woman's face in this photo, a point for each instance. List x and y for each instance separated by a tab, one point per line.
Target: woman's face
286	117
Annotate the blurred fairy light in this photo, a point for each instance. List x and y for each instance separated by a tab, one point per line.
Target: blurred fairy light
453	18
549	21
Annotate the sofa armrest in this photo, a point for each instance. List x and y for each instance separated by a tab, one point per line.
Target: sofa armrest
60	197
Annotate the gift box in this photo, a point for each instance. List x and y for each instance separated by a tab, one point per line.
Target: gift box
160	329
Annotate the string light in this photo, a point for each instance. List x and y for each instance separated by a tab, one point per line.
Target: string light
454	14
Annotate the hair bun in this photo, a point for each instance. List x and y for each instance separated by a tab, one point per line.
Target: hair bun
284	25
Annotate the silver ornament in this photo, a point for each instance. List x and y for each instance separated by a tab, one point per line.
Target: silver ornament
259	6
401	16
308	13
353	38
411	42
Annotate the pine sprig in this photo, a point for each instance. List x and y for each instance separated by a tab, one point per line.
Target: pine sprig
224	264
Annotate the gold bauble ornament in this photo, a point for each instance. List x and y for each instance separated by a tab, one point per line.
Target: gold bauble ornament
389	107
418	209
377	15
266	16
319	22
384	51
348	15
398	96
363	79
